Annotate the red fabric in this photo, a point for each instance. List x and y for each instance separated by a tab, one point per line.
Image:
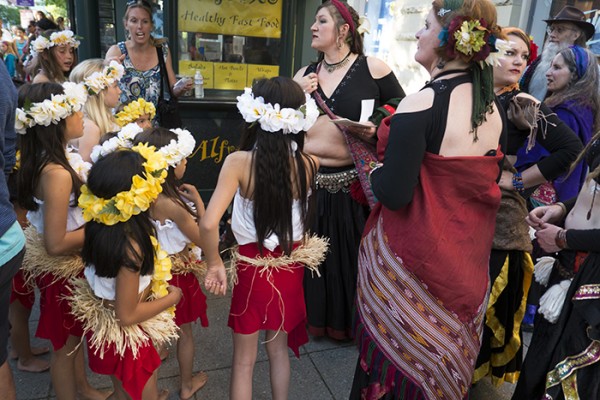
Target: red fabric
444	236
56	321
383	136
193	303
133	373
22	292
263	303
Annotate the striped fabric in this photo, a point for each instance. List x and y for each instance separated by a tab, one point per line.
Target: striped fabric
419	339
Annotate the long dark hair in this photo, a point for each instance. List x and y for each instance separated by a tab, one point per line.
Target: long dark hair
125	244
354	39
40	146
159	137
278	172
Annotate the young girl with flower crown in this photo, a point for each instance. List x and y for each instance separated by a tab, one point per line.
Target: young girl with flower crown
270	181
175	215
102	83
125	303
53	56
49	180
140	111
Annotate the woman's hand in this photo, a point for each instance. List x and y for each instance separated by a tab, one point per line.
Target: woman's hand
216	279
540	216
366	133
118	59
308	83
546	237
182	86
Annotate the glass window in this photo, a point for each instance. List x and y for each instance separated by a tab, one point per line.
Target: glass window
231	42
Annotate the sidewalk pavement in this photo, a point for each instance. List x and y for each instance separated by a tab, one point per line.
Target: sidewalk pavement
324	370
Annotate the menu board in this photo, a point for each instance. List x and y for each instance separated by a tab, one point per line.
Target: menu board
227	76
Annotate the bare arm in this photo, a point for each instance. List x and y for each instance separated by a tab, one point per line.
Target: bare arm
228	183
128	307
114	53
90	138
56	186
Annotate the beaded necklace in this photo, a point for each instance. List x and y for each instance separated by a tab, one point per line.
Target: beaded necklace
340	64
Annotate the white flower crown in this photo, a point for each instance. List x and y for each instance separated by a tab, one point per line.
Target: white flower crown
98	81
52	110
173	153
62	38
82	168
273	118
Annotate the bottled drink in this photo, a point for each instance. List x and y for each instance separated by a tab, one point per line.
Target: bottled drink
198	85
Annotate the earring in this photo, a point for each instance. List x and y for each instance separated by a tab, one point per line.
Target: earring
441	64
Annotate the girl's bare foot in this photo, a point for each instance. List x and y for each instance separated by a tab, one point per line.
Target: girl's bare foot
163	394
34	364
36	351
198	382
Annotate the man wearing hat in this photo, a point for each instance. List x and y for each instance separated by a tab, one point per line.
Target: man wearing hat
567	28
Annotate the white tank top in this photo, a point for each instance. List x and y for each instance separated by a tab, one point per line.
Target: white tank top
74	216
105	288
242	223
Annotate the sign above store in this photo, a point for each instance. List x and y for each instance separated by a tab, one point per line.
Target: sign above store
25	3
234	17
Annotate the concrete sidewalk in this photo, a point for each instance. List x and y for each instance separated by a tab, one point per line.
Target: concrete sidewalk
323	371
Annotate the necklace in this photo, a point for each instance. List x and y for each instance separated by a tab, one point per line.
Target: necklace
340	64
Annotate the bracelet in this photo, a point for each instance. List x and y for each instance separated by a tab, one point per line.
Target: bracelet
563	207
561	239
517	181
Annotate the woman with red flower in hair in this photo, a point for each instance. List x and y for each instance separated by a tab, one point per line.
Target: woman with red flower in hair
423	259
511	265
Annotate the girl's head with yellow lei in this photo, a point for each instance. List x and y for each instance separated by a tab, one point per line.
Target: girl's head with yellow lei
140	111
119	233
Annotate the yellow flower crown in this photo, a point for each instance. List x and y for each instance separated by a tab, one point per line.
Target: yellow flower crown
162	272
132	111
144	190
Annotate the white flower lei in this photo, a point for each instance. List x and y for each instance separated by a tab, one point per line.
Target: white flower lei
124	139
52	110
82	168
62	38
99	81
173	153
273	118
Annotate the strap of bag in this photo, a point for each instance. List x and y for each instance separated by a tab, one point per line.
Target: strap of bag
164	76
364	155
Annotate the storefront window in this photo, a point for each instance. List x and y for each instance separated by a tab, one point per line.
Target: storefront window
232	42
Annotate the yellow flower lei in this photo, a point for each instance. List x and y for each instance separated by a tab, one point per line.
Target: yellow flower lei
162	272
132	111
144	190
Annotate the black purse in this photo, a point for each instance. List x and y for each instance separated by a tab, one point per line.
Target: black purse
168	108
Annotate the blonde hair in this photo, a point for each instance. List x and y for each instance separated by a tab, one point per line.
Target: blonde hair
94	108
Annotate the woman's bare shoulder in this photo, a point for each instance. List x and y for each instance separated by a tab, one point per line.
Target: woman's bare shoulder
415	102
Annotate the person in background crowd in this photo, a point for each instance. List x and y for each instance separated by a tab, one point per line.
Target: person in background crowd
573	81
60	21
562	361
102	83
423	261
139	55
567	28
53	56
344	79
10	57
12	240
511	266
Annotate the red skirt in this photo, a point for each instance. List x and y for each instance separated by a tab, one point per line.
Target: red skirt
22	292
193	303
56	320
133	373
273	300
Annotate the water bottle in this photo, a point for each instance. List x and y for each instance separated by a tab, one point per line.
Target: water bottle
198	85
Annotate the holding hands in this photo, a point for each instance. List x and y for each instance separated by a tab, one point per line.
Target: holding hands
543	220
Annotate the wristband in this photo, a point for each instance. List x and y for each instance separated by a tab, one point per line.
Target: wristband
561	239
517	181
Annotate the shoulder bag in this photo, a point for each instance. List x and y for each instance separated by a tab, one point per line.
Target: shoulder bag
167	109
